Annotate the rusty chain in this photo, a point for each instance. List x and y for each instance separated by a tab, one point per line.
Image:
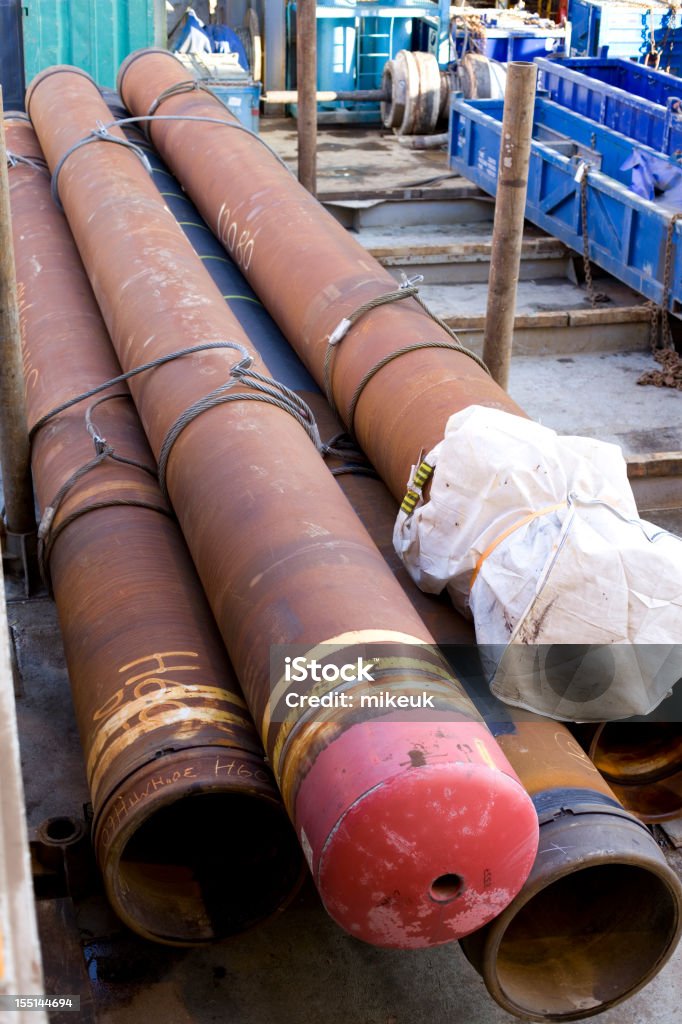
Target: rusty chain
652	58
660	334
594	296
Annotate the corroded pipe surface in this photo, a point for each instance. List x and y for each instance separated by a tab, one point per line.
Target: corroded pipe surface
18	514
284	560
642	762
189	831
311	274
600	914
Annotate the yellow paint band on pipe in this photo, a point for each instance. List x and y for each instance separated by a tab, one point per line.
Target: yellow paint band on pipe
351	638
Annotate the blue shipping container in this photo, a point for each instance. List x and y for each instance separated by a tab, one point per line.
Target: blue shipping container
637	101
505	45
627	235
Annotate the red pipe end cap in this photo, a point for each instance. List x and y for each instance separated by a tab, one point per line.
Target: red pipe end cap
423	857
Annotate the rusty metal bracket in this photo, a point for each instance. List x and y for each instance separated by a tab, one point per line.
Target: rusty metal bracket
20	558
62	858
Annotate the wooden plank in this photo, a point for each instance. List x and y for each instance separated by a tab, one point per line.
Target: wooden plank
541	319
655	464
391	255
609	315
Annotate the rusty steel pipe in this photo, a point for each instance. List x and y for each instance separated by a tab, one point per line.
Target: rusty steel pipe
306	79
600	913
189	831
509	218
284	560
15	459
311	274
327	96
642	762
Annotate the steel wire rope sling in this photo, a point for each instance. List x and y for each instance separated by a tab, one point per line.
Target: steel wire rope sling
48	533
407	290
265	389
102	133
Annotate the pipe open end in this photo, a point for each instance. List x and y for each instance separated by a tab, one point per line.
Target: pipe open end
206	867
586	941
199	864
642	761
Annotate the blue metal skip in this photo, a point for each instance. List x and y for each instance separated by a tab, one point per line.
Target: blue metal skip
640	102
627	234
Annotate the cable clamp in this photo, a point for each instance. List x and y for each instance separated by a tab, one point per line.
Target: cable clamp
46	522
410	282
100	133
340	332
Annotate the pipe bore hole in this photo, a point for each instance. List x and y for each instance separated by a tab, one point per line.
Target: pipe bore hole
446	888
634	753
586	941
204	867
61	830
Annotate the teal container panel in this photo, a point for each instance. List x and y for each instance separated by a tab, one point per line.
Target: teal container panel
336	54
94	36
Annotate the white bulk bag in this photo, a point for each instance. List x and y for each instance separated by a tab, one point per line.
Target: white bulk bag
537	537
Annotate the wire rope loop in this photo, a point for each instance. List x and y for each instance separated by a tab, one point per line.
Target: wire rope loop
15	159
100	133
160	361
407	290
47	532
262	389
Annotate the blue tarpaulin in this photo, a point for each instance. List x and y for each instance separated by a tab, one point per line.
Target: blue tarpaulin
654	178
196	37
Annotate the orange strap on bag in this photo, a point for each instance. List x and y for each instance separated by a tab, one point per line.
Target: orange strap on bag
506	533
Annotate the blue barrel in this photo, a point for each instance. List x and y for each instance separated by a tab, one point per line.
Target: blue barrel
11	55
